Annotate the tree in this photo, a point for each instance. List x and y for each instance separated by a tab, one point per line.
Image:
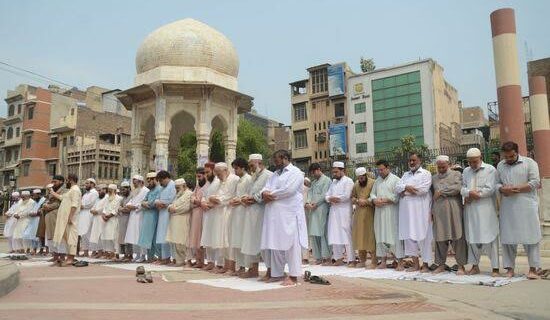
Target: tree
408	145
251	139
217	149
187	159
367	65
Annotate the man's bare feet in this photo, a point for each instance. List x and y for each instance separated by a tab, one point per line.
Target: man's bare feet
249	274
372	265
474	270
339	262
382	265
495	273
439	269
425	268
289	281
533	274
276	279
510	273
461	271
208	266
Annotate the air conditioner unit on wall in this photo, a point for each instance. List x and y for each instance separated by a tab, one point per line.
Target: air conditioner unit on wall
322	137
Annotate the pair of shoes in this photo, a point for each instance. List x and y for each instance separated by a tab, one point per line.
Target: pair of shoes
145	277
80	263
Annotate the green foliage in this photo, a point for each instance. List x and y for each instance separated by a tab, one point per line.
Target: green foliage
217	149
251	139
367	65
408	145
187	159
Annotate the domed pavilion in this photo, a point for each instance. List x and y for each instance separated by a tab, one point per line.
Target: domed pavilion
186	81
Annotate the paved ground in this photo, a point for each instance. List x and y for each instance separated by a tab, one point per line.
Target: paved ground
98	292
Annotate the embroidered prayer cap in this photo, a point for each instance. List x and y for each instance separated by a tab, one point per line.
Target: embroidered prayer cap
49	186
137	177
360	171
255	156
25	193
338	164
15	194
221	165
92	180
179	182
112	186
442	158
125	184
102	186
473	152
151	175
37	191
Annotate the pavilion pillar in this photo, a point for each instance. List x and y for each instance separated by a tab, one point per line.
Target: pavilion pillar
161	134
203	126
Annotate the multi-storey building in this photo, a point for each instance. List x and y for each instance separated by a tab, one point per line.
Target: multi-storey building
319	115
409	99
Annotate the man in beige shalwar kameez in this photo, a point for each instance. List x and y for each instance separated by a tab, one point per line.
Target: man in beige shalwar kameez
179	225
66	227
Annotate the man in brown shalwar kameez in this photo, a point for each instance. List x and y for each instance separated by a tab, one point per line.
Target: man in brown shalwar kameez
448	226
363	237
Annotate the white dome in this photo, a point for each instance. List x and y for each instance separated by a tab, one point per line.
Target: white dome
188	43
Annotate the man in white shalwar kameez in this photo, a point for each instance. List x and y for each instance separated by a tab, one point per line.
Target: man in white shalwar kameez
22	214
85	218
109	236
217	238
237	216
11	221
134	221
340	215
98	224
30	238
208	217
415	225
518	181
254	215
480	211
386	216
284	232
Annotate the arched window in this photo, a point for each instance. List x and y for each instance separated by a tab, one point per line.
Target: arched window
11	111
10	133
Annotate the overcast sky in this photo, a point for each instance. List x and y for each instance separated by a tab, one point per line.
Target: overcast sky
86	43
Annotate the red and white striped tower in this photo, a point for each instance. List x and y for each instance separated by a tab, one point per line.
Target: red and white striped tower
540	123
503	26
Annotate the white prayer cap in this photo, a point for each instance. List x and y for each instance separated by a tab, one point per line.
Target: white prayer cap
25	193
137	177
179	182
37	191
92	180
360	171
338	164
125	184
112	186
15	194
102	186
255	156
221	165
49	186
307	179
473	152
151	175
442	158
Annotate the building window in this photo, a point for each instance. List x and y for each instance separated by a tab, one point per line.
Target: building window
300	112
300	139
53	142
71	140
8	156
360	127
30	113
18	109
72	112
15	155
339	110
11	110
28	141
26	167
99	173
17	132
361	147
319	80
9	135
52	169
360	107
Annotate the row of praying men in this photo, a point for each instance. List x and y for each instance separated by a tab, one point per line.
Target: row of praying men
234	218
401	217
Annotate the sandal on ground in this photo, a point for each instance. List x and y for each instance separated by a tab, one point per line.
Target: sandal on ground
318	280
141	278
149	277
80	263
140	270
307	276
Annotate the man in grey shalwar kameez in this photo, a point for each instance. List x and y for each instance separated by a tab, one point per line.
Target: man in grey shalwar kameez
447	216
480	212
518	181
317	211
